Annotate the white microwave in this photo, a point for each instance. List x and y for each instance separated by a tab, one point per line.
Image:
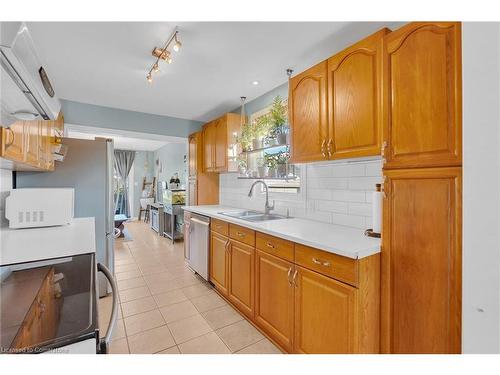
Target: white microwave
34	207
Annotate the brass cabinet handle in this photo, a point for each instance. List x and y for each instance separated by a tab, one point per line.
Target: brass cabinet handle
330	147
270	245
226	246
288	275
323	144
384	146
320	262
12	136
294	278
240	234
218	226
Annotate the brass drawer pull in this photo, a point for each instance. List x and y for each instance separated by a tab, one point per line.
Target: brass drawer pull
240	234
320	262
323	151
7	144
218	226
268	244
330	147
289	273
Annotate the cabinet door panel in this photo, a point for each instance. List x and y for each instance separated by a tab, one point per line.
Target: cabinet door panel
274	298
308	114
354	94
14	141
221	145
208	147
33	139
219	262
324	314
423	88
421	261
242	277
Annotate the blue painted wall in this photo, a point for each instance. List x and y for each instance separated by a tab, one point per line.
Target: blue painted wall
264	100
114	118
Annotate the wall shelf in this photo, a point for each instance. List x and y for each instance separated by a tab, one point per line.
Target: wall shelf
264	149
268	178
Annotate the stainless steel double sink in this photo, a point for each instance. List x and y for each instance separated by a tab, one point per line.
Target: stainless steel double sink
252	216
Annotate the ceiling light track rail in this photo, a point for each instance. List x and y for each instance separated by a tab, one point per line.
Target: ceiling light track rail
164	54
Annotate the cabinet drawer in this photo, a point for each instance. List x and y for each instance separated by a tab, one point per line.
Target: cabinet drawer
336	266
242	234
275	246
219	226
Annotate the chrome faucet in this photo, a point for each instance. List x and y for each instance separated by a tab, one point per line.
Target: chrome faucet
267	207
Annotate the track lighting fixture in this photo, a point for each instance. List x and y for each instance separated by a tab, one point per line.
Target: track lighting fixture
164	54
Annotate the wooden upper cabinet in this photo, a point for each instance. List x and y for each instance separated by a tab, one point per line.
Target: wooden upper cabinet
218	136
325	314
308	114
220	159
423	104
354	99
208	136
421	261
274	298
194	143
242	277
219	262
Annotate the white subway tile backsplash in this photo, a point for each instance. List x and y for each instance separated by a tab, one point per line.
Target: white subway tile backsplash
338	193
364	183
374	168
333	206
362	209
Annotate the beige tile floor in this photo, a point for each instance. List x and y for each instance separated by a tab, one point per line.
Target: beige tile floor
166	309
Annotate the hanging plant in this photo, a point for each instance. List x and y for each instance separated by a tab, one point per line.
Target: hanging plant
246	137
278	120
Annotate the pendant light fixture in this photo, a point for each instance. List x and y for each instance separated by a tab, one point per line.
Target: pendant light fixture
164	54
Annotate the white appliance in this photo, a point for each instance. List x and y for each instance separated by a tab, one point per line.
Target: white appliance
33	207
198	244
71	251
88	169
27	93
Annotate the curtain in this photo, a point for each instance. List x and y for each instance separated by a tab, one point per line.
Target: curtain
123	164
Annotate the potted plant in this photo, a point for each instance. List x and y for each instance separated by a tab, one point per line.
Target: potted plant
271	163
242	164
262	167
282	160
278	120
260	131
245	138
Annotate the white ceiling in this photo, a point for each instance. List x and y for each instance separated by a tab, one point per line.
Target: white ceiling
122	139
106	63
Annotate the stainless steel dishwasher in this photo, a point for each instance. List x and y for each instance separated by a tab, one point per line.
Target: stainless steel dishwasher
198	247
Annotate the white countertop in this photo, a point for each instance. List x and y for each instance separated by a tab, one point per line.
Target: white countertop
346	241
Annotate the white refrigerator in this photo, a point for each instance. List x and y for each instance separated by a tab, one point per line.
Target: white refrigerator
88	168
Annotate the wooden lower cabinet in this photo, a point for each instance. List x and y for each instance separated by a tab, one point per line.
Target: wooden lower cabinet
301	308
242	277
421	261
325	312
274	293
219	262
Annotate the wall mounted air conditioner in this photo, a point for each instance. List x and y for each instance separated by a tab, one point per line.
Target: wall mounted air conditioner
25	89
